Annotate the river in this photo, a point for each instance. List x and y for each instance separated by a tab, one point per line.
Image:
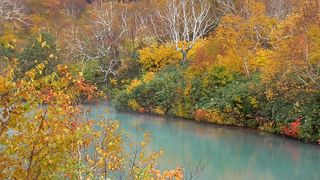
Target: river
231	153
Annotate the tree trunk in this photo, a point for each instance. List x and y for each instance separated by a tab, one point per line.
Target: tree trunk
184	56
246	67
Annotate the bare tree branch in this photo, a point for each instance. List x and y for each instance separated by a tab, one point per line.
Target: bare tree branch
182	23
278	8
12	11
102	41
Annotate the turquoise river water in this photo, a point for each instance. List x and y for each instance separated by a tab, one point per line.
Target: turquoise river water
230	153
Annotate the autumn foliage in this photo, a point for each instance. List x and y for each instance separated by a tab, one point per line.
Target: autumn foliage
44	132
259	68
293	129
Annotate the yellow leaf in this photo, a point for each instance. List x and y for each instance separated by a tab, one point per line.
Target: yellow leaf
43	44
39	39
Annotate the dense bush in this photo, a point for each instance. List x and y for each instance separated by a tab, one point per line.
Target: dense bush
159	94
38	50
227	98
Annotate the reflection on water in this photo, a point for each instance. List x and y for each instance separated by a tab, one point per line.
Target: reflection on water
235	153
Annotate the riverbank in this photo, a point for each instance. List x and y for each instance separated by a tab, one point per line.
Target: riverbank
215	124
203	117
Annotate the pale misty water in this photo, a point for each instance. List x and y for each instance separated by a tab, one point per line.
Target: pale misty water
235	153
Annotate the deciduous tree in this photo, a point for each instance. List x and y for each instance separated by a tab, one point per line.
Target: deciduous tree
182	23
101	42
12	11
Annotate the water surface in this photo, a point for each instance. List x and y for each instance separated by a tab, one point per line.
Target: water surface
233	153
